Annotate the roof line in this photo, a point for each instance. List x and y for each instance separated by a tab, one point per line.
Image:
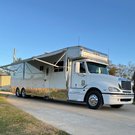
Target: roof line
51	53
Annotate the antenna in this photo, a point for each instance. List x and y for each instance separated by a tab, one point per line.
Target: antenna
14	55
108	56
78	40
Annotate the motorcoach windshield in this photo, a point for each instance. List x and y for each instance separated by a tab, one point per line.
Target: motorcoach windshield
97	68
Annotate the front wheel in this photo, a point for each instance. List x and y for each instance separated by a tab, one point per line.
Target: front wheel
116	106
94	100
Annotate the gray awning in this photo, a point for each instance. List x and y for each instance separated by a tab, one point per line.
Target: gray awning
44	58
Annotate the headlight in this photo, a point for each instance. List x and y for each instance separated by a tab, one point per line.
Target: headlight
113	89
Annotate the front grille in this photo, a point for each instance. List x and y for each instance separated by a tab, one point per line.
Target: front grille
127	91
126	85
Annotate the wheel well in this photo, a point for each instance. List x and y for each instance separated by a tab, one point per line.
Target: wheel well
17	88
22	89
92	89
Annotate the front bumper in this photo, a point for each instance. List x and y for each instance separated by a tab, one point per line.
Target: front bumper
115	99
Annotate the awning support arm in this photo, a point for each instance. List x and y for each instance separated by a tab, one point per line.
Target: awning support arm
60	58
45	62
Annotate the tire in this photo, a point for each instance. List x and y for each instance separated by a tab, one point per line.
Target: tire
17	92
94	100
116	106
23	93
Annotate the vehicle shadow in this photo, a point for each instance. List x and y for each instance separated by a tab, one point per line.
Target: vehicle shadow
69	103
77	104
59	102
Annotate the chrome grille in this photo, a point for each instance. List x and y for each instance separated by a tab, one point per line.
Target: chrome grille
126	85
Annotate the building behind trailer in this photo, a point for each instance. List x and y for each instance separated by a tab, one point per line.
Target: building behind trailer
5	81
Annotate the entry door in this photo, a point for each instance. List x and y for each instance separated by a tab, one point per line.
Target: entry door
78	75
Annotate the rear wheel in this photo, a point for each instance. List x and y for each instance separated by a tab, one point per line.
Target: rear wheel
23	93
17	92
116	106
94	100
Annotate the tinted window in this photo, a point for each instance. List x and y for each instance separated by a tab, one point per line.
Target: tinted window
97	68
60	68
82	67
41	68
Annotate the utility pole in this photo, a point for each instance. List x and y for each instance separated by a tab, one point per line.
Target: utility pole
14	55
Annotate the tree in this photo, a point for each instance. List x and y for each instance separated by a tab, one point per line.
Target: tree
4	72
120	70
112	71
17	60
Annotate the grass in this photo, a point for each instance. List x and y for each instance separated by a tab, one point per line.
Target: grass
16	122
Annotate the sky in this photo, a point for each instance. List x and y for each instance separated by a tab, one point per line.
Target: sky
37	26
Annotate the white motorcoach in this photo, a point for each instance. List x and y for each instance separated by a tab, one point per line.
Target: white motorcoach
70	74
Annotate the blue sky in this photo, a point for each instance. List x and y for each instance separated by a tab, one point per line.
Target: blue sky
37	26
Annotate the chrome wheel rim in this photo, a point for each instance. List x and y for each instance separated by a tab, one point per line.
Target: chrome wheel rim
93	100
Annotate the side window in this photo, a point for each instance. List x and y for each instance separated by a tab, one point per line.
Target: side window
41	68
82	67
60	68
47	71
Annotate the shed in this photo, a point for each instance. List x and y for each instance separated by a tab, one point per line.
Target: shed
5	81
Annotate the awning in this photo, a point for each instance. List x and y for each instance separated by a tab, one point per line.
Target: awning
46	58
